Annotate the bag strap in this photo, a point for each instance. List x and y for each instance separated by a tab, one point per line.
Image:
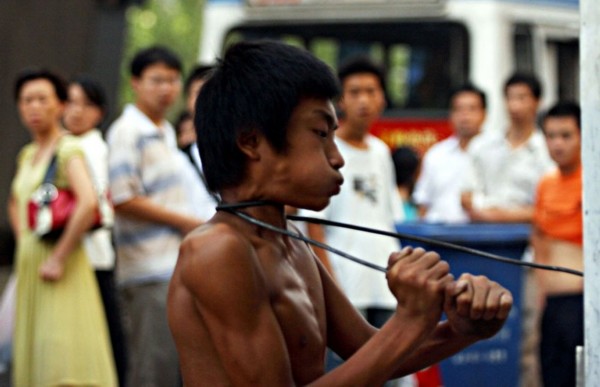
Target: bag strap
51	171
53	165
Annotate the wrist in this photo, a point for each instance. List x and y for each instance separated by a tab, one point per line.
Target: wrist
55	258
450	332
416	326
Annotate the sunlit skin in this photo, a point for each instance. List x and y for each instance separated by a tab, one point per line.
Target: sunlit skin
81	115
297	176
156	90
248	306
362	102
466	116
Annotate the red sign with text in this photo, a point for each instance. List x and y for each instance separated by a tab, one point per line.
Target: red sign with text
418	133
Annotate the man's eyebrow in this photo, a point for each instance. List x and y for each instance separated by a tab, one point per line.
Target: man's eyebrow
327	116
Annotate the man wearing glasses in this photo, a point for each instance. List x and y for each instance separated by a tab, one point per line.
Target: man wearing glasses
147	182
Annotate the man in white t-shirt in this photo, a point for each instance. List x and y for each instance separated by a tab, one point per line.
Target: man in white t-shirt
368	196
439	186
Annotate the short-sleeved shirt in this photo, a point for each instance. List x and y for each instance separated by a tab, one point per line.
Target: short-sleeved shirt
97	243
439	185
559	206
503	176
144	161
30	176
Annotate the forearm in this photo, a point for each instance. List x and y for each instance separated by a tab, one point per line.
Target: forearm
522	214
443	342
13	217
540	245
377	360
79	223
422	210
142	208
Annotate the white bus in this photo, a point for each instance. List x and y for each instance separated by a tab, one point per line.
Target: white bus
427	47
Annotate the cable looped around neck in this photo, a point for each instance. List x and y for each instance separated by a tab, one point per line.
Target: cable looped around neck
234	208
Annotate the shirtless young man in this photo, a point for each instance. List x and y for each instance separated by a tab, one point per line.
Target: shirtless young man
248	306
558	241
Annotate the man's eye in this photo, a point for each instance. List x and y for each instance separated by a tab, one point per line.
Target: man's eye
321	133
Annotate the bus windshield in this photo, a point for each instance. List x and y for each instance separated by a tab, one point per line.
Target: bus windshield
423	61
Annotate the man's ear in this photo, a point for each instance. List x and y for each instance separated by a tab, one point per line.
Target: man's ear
248	142
341	105
134	82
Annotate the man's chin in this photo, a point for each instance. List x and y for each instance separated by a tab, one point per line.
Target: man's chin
315	206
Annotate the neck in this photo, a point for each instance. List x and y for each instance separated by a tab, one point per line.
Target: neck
355	136
267	211
569	169
463	141
519	134
49	137
155	116
404	193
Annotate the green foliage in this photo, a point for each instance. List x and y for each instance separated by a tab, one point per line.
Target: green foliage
172	23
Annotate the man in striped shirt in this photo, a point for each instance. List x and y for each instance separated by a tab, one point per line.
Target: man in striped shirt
147	182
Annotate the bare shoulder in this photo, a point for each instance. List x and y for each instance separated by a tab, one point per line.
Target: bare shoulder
211	242
213	253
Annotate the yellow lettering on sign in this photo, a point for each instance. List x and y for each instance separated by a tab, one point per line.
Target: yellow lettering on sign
419	139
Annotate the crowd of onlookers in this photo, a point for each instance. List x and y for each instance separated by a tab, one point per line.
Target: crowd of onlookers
529	172
67	329
91	305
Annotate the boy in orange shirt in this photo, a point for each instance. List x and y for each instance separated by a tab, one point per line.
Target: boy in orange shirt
557	239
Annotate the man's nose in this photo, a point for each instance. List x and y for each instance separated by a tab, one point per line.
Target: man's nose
335	157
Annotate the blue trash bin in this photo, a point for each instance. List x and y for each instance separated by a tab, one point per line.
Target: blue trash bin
492	362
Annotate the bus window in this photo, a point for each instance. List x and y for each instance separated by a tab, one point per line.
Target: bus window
399	56
424	61
568	69
523	49
325	49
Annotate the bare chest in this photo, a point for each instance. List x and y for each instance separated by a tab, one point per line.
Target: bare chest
296	296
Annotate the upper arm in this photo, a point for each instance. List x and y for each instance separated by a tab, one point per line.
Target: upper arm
317	232
13	215
224	277
124	171
73	171
80	180
422	191
471	179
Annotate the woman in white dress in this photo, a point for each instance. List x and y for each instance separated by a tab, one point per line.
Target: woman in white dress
85	110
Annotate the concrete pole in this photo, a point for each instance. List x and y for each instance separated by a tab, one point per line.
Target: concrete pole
590	103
